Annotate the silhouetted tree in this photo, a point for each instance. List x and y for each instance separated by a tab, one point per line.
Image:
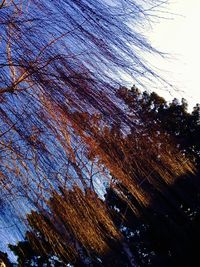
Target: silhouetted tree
167	232
144	219
27	256
4	261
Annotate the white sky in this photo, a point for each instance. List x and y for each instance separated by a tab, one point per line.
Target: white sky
179	35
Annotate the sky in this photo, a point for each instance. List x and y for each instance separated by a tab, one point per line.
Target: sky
179	36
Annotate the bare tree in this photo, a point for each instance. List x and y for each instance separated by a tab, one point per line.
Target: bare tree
60	64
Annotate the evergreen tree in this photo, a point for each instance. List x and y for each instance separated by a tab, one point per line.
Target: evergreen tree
151	221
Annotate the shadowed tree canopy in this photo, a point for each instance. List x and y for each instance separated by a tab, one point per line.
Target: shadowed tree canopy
152	224
4	261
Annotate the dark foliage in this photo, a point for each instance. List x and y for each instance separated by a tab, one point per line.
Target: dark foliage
166	232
